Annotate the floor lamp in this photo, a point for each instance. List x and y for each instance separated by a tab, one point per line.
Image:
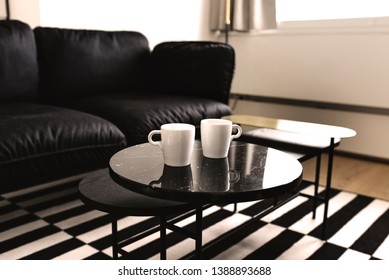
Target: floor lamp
227	19
7	17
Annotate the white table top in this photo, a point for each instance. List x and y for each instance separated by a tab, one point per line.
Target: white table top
314	129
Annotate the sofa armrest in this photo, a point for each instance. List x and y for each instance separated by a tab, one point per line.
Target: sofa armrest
19	74
195	68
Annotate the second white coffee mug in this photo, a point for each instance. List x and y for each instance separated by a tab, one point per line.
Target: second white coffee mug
177	143
216	137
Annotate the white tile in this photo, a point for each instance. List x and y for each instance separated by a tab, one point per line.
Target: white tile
4	203
351	231
240	206
383	251
45	198
16	231
95	234
135	245
77	220
250	243
192	218
307	224
188	245
106	230
35	246
78	254
59	208
131	220
225	225
13	215
25	191
354	256
284	209
302	249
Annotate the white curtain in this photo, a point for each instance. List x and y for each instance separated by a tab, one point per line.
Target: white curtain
218	15
243	15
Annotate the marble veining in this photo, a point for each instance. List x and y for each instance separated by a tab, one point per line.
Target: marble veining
248	168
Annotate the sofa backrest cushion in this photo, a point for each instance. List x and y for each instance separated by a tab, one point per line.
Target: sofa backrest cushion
79	63
198	68
19	76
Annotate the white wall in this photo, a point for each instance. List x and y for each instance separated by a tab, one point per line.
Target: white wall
158	20
25	10
2	10
342	66
371	139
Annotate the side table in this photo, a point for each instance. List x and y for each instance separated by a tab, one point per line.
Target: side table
304	140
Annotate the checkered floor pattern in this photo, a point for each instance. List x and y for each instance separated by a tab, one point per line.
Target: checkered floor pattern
50	222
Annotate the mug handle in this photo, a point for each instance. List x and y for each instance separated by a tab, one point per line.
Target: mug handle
150	138
234	176
155	183
239	131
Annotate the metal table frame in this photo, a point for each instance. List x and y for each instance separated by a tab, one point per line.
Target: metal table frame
304	128
279	195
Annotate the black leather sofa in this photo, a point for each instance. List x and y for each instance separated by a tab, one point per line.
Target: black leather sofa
69	99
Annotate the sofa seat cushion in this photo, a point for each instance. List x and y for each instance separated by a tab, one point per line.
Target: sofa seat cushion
137	114
37	141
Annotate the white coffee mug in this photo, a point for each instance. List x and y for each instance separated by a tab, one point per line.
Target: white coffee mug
216	137
177	143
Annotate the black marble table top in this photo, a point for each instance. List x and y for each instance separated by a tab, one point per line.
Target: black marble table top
250	172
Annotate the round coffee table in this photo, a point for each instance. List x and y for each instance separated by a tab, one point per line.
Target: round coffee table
250	172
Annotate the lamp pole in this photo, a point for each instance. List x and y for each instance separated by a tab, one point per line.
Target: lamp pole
228	18
7	10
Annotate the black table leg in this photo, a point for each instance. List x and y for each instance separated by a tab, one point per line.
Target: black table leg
199	231
328	187
163	237
317	182
114	237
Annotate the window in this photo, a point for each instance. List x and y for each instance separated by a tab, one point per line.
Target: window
342	12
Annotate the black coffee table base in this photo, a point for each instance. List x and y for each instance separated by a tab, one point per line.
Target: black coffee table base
196	235
99	191
117	245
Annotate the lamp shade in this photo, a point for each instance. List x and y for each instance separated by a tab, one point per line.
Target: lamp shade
245	15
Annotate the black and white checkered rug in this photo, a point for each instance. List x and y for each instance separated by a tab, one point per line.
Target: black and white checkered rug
52	223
